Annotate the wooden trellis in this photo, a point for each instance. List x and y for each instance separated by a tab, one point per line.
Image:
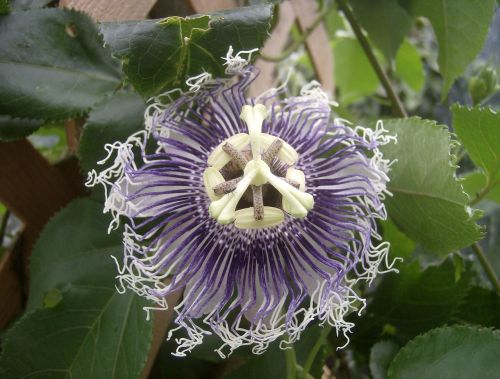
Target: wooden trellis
34	190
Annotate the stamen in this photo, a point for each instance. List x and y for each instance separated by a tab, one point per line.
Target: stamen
235	154
300	202
226	187
272	159
218	158
223	209
272	151
258	203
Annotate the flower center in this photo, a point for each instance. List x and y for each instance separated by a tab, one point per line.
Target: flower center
255	169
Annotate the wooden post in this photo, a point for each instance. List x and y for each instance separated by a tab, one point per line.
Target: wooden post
273	46
318	43
111	10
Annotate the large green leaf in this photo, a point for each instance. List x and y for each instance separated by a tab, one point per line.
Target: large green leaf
353	72
160	54
481	307
22	5
271	364
429	204
381	355
113	120
450	352
411	302
12	129
4	7
85	329
479	131
461	27
409	66
52	64
474	182
386	22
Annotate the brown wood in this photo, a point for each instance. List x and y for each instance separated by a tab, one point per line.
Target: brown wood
161	321
207	6
318	43
11	291
111	10
30	187
273	47
73	128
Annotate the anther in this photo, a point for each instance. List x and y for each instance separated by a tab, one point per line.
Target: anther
235	154
289	181
226	187
258	203
272	151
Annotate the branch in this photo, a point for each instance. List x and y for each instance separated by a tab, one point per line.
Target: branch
294	46
486	266
397	105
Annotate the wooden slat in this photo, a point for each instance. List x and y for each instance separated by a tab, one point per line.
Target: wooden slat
161	321
273	47
11	291
207	6
30	187
318	43
111	10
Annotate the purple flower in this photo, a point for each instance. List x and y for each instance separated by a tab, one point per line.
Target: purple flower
263	209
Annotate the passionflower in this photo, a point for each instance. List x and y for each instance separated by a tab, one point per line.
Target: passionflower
263	210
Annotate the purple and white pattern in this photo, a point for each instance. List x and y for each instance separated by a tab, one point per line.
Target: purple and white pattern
248	286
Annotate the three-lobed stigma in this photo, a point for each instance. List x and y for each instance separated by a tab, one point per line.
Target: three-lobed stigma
251	179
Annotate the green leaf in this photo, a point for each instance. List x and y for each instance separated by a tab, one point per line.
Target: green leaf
429	204
93	332
474	182
409	66
167	366
461	27
4	7
449	352
401	246
271	364
52	65
479	131
12	129
411	302
113	120
160	54
481	307
381	356
386	22
353	72
23	5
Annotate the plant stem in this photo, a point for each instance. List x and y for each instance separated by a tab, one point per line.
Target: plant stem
291	363
315	349
294	46
486	266
482	194
397	105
